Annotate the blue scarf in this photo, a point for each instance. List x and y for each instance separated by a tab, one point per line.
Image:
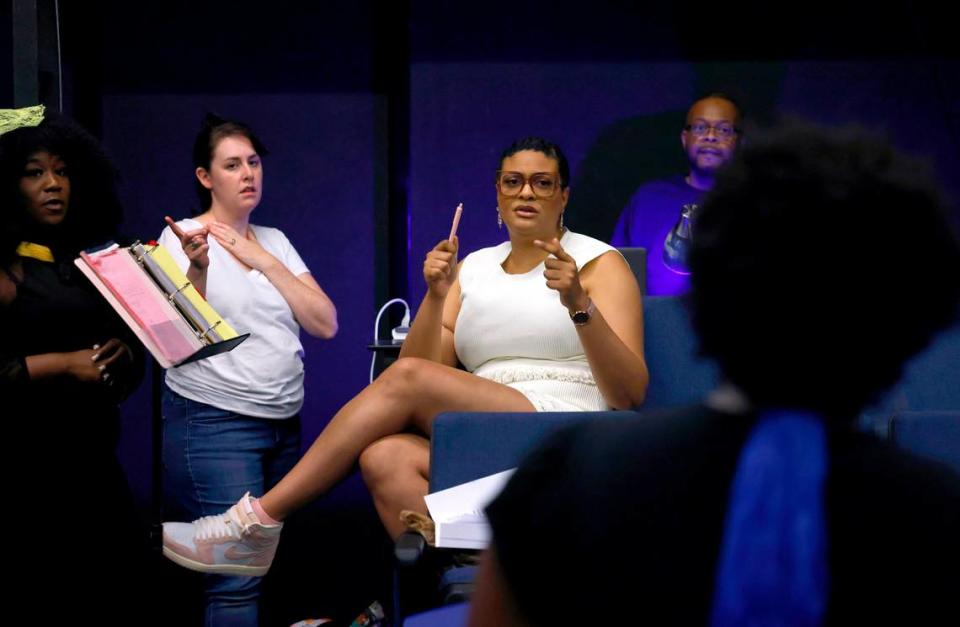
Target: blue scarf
772	568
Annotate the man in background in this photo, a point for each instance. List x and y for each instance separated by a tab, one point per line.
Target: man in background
709	138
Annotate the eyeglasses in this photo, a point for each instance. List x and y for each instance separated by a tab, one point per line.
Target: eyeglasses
721	130
543	184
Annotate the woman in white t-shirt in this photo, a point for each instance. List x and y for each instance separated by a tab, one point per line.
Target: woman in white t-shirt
231	422
548	320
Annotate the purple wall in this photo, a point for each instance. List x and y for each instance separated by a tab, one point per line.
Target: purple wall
619	125
915	103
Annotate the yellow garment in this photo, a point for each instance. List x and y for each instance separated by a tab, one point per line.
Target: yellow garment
12	119
35	251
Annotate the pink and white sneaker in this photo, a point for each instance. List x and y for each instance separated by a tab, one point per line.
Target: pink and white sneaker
232	543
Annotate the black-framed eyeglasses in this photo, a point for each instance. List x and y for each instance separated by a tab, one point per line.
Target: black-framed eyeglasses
543	184
721	130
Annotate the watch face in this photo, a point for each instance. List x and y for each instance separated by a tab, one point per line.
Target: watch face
580	317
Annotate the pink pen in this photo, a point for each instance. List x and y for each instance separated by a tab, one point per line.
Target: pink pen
456	221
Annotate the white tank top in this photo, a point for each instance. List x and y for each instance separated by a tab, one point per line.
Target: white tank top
512	327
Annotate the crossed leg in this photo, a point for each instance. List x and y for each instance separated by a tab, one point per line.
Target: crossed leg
405	398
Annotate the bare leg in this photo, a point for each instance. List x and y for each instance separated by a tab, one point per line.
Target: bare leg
406	397
396	470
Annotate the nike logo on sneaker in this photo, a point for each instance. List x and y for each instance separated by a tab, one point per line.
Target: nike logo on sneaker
234	553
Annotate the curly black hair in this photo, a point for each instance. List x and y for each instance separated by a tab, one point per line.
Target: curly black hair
94	211
821	261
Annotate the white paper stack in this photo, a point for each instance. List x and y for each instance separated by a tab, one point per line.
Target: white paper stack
457	512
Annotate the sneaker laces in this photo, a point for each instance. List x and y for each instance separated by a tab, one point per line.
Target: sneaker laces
226	525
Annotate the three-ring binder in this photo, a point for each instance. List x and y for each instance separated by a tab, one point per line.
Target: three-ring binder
153	296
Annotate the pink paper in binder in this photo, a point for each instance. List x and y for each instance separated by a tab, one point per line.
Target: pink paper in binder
120	273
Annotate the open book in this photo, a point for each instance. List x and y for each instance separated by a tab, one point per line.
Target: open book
457	512
149	291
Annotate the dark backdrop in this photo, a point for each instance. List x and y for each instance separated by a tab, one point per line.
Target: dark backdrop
382	116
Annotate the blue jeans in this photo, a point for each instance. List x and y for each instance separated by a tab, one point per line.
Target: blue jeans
211	458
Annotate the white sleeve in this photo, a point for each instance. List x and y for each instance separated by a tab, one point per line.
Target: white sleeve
289	256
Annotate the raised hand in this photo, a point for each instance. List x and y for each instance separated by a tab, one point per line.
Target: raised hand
194	243
440	266
562	275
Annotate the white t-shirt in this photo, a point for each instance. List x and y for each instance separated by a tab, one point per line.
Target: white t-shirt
263	376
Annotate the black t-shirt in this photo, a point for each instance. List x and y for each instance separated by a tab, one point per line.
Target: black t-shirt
56	310
625	519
